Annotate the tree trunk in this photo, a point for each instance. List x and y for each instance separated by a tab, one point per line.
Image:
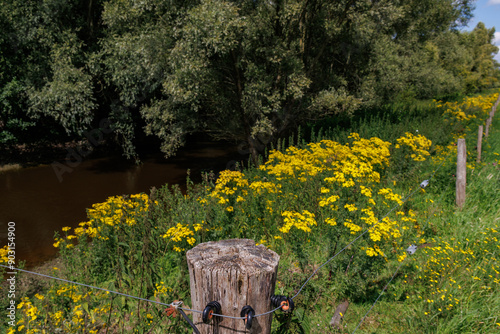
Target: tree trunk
254	153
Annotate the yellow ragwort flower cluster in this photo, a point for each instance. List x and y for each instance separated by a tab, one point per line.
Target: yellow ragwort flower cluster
469	108
302	221
116	211
340	169
180	232
419	145
475	261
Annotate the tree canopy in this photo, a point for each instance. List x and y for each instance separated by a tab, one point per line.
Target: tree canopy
244	70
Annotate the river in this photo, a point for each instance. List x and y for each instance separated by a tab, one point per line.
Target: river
42	200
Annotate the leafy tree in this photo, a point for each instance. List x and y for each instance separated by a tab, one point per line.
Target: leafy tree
13	123
248	70
241	70
482	71
47	82
245	70
68	97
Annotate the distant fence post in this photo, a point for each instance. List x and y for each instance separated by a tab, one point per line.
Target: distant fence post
490	119
235	273
479	143
461	172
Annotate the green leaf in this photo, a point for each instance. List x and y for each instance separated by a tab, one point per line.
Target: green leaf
85	306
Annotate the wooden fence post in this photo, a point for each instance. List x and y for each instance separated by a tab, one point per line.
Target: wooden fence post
479	143
490	119
235	273
461	172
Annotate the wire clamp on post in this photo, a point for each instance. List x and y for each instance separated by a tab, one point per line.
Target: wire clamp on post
249	313
210	309
424	184
411	250
284	302
177	306
176	303
172	308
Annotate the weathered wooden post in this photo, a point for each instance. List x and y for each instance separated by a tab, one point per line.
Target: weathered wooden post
479	143
234	273
488	124
490	119
461	172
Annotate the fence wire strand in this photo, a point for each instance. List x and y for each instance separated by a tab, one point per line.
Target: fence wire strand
380	295
350	243
422	185
221	315
86	285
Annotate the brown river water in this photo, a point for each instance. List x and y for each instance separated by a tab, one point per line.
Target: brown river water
39	202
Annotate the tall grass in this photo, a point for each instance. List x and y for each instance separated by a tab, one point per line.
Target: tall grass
308	201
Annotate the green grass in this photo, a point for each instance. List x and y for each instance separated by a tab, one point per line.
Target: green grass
405	306
449	286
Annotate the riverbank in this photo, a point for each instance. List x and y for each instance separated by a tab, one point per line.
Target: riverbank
29	155
9	167
42	199
307	202
30	284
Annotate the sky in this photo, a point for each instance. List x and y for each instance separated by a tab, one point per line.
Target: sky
488	12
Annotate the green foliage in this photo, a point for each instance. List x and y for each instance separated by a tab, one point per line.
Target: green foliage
13	122
242	71
43	84
68	97
482	68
